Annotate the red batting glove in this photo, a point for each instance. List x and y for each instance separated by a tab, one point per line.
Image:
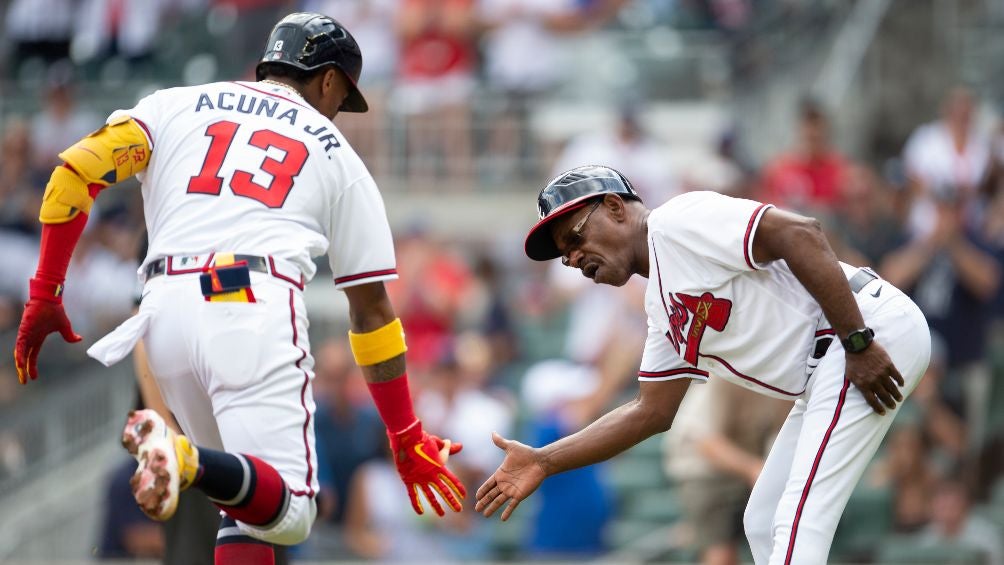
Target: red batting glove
43	314
420	462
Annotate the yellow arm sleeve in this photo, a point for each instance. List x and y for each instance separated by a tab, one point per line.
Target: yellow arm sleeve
66	195
112	154
378	345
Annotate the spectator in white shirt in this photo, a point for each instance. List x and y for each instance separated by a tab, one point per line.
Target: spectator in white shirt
950	152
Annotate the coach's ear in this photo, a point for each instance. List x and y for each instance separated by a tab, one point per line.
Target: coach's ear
616	207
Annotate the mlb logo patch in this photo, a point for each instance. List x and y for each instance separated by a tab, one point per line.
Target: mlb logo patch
189	261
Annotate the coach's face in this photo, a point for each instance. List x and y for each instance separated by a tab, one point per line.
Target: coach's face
595	240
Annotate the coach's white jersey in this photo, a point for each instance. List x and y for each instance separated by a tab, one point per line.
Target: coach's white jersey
757	330
251	168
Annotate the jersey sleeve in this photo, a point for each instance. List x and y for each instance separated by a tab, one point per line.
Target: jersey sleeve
362	248
146	113
713	227
661	362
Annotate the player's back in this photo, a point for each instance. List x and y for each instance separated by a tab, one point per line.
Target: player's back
242	167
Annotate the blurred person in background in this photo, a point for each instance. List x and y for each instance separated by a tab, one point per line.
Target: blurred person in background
954	277
455	400
942	423
19	180
551	392
61	121
435	81
96	266
714	456
906	469
372	24
430	295
627	147
953	522
487	311
127	533
378	528
949	152
119	28
39	29
20	199
347	427
866	219
251	22
812	174
524	60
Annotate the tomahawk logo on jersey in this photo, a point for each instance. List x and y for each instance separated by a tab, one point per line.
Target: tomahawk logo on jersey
257	159
701	241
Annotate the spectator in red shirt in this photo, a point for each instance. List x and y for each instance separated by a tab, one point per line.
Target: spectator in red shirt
435	84
812	174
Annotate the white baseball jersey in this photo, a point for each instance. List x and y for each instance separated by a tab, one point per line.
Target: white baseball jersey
252	168
713	311
757	330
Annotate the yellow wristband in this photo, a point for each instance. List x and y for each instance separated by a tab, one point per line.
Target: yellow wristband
378	345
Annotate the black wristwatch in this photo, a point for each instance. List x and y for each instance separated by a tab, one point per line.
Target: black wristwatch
858	340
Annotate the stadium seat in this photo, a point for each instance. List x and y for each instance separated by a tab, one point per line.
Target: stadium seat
630	474
864	524
905	550
660	507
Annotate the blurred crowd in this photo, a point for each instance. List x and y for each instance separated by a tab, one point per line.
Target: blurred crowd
529	350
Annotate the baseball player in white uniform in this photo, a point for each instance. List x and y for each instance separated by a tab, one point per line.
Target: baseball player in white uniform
243	183
741	291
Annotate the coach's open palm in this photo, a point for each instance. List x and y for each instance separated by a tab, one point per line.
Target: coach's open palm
875	375
516	478
421	462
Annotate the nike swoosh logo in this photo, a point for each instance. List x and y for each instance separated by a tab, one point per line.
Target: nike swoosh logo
877	292
421	453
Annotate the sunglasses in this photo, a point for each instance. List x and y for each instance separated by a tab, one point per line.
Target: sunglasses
575	236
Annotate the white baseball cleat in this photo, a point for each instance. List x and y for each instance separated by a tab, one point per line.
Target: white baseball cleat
167	463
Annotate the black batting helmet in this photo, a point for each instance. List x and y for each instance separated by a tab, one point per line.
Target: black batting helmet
310	41
566	193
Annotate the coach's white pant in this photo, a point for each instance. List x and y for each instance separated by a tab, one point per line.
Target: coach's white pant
237	377
828	439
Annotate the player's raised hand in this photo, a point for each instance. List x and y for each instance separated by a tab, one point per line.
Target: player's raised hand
43	315
516	478
873	373
421	462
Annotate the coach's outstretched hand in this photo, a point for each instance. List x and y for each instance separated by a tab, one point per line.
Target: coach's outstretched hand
41	317
874	374
516	478
421	462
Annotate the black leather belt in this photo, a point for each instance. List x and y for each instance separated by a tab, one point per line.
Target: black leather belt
858	281
861	279
255	263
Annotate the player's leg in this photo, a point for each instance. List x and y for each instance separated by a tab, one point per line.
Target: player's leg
758	520
259	374
200	350
840	434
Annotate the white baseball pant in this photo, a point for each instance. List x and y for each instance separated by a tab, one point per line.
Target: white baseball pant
829	438
237	377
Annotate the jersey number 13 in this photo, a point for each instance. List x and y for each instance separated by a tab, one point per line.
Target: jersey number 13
283	170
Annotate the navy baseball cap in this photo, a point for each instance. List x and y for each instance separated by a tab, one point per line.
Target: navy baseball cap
566	193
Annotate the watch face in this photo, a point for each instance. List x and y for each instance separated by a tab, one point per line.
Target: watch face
857	341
